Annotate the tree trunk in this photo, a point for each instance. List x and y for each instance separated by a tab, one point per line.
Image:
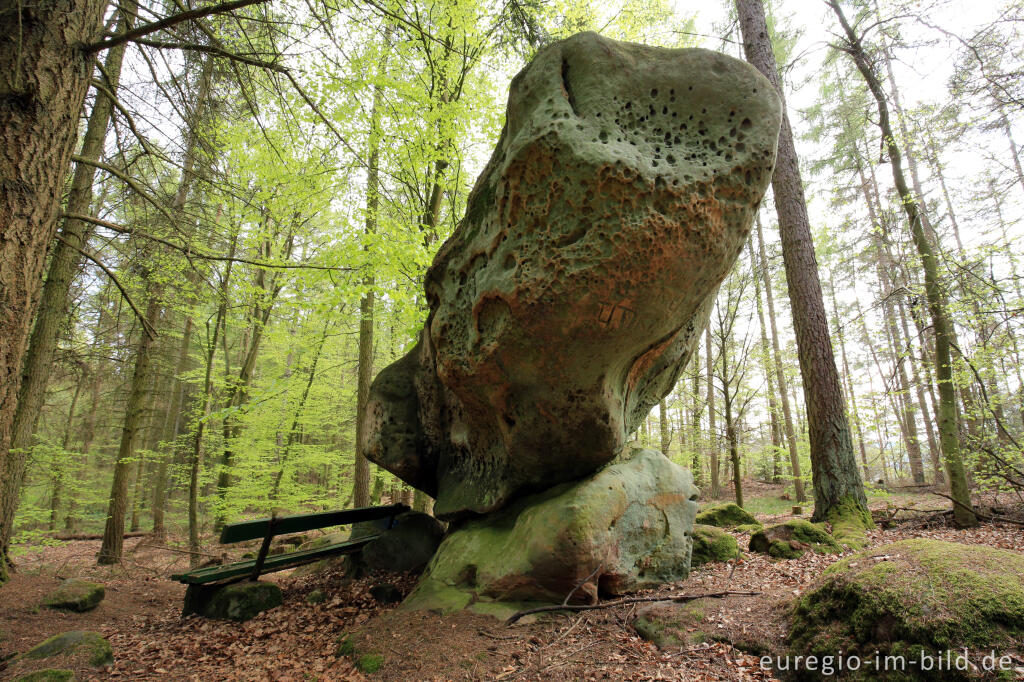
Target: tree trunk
766	364
849	380
716	485
44	75
113	533
838	491
780	372
663	427
948	429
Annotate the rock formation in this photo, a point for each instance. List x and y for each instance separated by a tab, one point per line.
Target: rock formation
564	306
570	297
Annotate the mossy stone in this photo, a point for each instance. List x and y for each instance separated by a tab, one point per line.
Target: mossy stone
712	544
48	675
727	515
914	596
76	594
791	539
748	528
316	596
97	649
243	601
666	624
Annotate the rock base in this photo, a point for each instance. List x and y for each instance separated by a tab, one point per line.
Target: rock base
623	529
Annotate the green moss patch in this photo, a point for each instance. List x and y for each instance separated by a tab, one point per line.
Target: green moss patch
92	644
712	544
791	539
367	662
849	521
725	516
914	596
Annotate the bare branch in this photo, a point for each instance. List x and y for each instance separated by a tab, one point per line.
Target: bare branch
146	326
167	22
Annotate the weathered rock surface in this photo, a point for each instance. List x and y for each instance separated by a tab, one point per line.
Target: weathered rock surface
76	594
629	525
916	598
570	297
791	539
667	625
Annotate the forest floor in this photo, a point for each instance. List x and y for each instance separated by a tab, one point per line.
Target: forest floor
299	640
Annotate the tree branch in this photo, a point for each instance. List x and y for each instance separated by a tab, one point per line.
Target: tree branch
167	22
146	326
189	253
625	600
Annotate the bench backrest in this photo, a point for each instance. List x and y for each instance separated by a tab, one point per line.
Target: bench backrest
282	525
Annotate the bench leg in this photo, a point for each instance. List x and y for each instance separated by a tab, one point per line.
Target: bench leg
197	597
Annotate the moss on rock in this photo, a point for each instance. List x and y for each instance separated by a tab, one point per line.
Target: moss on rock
671	625
913	597
630	521
727	515
712	544
76	594
96	649
791	539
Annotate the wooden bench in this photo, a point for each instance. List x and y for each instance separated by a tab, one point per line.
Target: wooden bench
203	582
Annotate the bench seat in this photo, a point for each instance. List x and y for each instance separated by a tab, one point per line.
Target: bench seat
279	562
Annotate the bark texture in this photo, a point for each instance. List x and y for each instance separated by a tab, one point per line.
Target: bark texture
43	80
837	483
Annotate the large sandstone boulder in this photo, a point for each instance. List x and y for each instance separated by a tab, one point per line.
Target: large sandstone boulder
570	297
627	527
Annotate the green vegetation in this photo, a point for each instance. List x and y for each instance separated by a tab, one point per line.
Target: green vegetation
727	515
914	595
791	539
712	544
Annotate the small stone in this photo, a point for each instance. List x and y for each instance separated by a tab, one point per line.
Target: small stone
243	601
712	544
386	593
96	648
727	515
669	625
316	596
75	594
791	539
